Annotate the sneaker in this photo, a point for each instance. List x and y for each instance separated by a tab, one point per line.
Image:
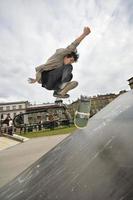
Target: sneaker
56	94
69	86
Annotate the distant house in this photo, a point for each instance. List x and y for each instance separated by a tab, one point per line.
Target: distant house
97	102
43	114
11	109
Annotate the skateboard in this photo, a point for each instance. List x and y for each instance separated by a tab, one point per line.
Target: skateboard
82	114
61	97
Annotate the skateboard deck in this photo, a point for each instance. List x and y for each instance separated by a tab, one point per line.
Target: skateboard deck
82	114
61	97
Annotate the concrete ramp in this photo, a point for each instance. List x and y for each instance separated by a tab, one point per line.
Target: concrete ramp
93	164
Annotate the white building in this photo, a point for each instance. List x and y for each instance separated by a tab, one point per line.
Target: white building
12	109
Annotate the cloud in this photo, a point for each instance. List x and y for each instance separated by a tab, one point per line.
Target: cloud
31	31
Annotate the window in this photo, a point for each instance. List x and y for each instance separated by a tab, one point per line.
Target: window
1	108
2	116
20	106
7	107
14	107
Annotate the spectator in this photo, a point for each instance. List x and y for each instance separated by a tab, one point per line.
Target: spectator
24	128
10	128
51	121
40	126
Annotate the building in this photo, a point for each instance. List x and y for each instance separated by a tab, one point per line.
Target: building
37	113
131	82
43	115
100	101
97	102
11	109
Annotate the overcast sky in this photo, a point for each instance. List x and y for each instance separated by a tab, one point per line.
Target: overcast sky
31	31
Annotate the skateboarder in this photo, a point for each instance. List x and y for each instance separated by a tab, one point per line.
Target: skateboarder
56	73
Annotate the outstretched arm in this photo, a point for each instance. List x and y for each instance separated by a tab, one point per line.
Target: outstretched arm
73	45
86	32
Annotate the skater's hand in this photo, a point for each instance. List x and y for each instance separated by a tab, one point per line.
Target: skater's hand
86	30
31	80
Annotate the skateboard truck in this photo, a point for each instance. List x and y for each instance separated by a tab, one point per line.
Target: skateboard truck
82	114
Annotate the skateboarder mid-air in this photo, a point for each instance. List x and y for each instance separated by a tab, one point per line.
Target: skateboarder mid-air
56	73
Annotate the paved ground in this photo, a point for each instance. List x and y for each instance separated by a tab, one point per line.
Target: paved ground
16	159
6	143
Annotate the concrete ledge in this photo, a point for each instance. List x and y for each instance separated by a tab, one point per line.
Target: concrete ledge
16	137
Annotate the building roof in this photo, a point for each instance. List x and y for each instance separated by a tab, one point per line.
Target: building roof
130	79
45	106
10	103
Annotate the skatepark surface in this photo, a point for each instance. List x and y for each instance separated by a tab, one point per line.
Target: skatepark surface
18	156
95	163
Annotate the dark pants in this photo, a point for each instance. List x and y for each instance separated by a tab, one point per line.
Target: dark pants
10	129
53	79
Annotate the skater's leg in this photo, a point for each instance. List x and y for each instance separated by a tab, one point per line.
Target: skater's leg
53	80
59	80
66	76
69	86
66	83
67	73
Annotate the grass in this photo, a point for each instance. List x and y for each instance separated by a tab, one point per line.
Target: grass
56	131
